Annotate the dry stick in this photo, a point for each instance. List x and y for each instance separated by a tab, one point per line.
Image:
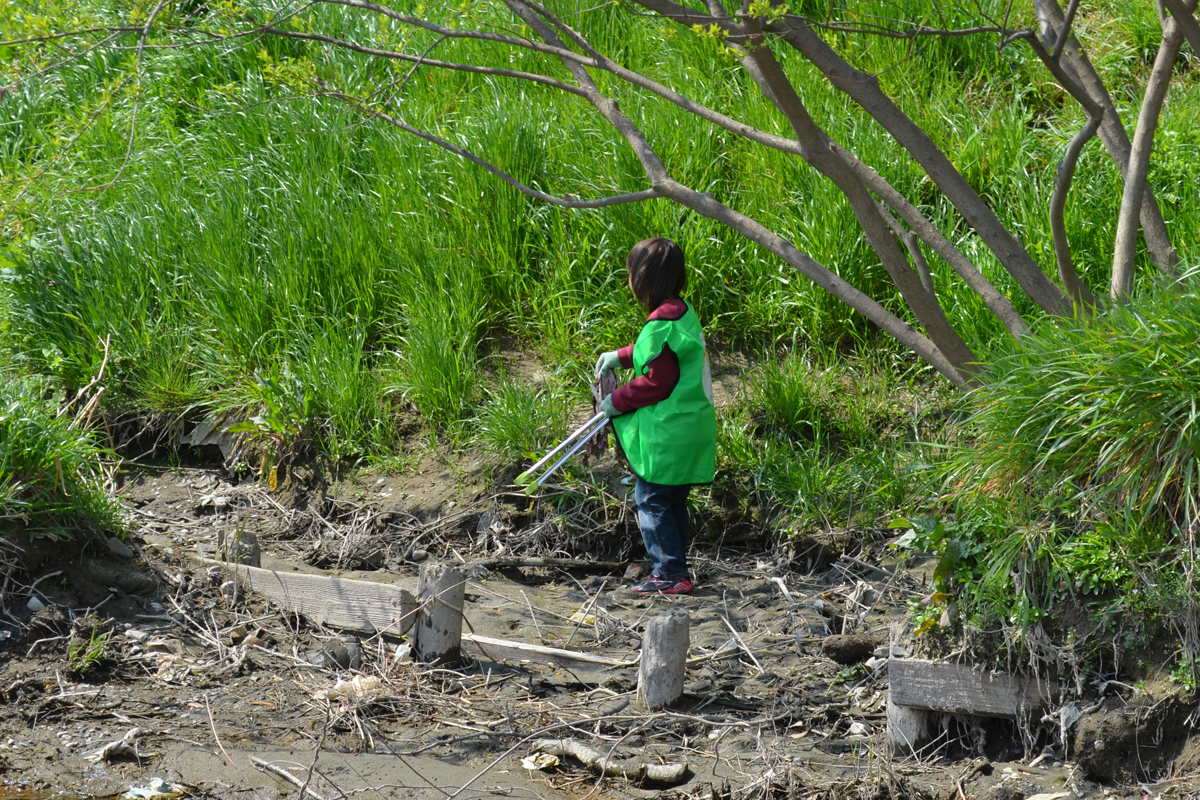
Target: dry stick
732	630
533	617
583	613
267	766
212	723
316	754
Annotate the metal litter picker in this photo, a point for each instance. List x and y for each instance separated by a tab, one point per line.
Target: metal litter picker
576	442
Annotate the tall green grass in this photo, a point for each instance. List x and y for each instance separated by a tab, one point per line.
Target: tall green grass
1104	412
50	477
252	232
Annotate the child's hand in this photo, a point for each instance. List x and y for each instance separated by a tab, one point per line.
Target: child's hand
608	409
608	362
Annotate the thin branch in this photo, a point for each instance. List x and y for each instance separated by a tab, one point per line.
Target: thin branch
430	62
1064	33
1058	227
565	202
997	303
66	35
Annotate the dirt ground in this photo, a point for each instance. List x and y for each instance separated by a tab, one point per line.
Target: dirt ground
228	694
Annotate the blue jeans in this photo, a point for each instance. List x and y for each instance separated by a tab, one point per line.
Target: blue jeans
663	518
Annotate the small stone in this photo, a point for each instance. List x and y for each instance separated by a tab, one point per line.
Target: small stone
119	548
848	649
137	635
858	729
35	605
418	556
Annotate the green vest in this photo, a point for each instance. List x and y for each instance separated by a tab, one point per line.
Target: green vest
674	441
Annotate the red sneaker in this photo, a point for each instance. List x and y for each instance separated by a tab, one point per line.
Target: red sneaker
657	585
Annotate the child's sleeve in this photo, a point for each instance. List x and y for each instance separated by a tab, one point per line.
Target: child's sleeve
662	375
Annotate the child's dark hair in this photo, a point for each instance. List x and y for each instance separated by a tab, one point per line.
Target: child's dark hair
656	271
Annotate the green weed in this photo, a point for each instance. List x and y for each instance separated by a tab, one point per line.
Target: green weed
50	471
84	655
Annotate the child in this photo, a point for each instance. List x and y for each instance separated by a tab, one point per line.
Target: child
664	417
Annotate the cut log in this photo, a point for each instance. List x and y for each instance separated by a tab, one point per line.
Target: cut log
502	650
664	659
336	602
441	592
959	689
593	759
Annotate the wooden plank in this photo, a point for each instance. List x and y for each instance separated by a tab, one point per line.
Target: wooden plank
337	602
502	649
959	689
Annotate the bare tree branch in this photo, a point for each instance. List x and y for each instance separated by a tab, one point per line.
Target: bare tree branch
997	303
1112	133
1125	246
1066	168
429	62
760	62
864	90
565	202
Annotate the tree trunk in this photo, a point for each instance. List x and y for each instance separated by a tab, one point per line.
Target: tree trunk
1125	247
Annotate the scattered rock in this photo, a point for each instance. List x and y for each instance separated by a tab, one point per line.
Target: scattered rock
417	556
119	548
849	648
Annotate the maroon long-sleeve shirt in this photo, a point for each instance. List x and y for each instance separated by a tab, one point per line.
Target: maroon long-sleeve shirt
662	371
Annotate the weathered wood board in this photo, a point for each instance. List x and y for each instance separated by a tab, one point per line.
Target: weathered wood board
501	649
959	689
337	602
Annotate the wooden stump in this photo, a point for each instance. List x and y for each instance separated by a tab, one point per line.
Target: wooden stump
440	595
664	657
239	547
907	728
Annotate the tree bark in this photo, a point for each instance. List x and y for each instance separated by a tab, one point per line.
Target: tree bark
864	90
1186	22
1125	246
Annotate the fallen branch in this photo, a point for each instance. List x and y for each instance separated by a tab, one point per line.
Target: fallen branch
598	762
537	561
280	772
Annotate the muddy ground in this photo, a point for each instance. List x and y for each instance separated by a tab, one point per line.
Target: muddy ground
211	678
